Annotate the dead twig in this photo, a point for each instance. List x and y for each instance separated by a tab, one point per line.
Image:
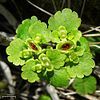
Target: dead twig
94	43
5	39
91	35
95	46
6	70
52	92
10	18
48	13
93	29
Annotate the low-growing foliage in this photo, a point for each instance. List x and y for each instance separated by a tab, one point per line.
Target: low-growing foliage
55	53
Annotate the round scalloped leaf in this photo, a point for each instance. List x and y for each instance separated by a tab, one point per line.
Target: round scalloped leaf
84	67
30	76
60	78
22	30
39	29
86	64
29	71
71	71
79	50
14	51
29	65
85	85
65	18
56	58
84	44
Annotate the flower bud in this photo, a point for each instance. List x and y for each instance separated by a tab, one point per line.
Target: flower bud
26	54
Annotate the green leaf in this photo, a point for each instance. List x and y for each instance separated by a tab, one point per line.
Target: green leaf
56	58
29	65
29	71
39	29
30	76
22	30
58	34
85	85
86	64
79	50
44	97
84	44
55	36
73	57
74	36
60	78
65	18
84	67
71	71
14	51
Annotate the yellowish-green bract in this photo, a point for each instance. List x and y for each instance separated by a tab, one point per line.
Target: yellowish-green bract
55	53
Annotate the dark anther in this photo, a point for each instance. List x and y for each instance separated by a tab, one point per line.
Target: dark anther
33	46
65	46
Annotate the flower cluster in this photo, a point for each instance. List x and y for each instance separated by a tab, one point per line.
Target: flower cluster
51	52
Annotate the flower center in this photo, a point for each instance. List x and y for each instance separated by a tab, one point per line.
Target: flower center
65	46
33	46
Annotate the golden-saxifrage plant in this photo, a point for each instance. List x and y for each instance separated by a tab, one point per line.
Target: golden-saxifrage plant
55	53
